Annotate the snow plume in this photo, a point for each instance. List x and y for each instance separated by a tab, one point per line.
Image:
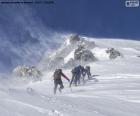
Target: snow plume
23	37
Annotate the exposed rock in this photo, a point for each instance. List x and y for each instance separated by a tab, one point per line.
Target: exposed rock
74	38
113	53
25	71
87	55
83	54
88	44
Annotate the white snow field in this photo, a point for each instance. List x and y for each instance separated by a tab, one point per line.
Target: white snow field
116	94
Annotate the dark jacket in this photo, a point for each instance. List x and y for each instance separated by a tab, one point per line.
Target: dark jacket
58	73
77	70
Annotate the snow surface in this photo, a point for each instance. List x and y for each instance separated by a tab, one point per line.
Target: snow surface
69	56
116	94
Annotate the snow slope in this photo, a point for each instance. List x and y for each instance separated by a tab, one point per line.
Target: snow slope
116	94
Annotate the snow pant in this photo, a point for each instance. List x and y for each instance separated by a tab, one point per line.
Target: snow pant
83	78
56	83
75	79
89	75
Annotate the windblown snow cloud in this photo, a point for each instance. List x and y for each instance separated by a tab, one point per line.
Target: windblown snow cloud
23	37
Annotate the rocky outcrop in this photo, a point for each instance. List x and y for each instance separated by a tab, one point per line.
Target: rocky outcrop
113	53
74	38
82	54
29	72
56	60
88	44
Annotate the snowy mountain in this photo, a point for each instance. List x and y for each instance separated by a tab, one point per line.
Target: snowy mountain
116	94
77	50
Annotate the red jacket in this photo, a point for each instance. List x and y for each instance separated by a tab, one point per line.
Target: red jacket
65	76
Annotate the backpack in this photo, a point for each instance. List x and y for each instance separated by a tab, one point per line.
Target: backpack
57	74
76	70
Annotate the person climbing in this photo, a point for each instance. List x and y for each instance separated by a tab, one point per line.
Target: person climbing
88	72
58	81
76	75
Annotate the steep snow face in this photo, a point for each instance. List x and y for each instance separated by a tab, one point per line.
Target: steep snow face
69	56
115	94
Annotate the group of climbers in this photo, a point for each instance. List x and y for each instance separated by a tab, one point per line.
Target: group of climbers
78	73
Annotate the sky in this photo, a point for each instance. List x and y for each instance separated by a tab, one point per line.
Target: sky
98	18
